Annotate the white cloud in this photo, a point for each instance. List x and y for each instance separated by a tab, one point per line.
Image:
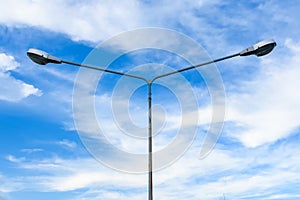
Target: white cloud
12	158
12	89
29	151
97	20
7	185
268	107
7	62
66	175
235	173
67	144
81	20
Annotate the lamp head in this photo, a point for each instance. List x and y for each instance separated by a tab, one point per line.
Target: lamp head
41	57
260	49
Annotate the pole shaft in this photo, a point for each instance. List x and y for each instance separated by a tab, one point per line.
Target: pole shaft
150	184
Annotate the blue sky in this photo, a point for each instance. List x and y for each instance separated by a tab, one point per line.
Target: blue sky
42	155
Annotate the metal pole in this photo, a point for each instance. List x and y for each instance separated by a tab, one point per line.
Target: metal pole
149	83
43	58
150	184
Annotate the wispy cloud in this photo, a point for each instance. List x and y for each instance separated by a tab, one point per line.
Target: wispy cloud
12	89
232	172
268	106
108	17
12	158
97	20
7	62
67	144
29	151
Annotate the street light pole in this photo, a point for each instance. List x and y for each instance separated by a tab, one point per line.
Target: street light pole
42	58
150	170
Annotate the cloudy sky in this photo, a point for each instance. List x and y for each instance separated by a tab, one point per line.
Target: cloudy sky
42	152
